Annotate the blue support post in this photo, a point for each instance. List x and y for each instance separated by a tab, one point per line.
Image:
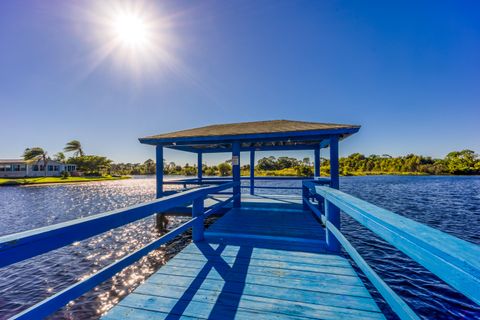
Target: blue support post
236	173
305	196
159	170
316	161
161	220
334	175
252	172
199	166
332	213
198	228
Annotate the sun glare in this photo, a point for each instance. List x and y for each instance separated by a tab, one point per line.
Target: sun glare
131	30
136	38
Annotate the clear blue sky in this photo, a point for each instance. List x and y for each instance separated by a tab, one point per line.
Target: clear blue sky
408	72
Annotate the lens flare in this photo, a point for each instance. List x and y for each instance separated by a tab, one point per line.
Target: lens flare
131	30
136	38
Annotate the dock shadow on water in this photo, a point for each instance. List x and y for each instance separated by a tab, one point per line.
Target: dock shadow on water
451	204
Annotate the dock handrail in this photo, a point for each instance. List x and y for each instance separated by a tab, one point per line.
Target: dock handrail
24	245
453	260
218	180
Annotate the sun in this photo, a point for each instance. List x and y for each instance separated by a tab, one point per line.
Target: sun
135	37
131	30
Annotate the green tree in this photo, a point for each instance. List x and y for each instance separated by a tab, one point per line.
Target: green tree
76	147
36	154
91	165
224	169
304	170
267	163
149	166
462	162
189	170
60	157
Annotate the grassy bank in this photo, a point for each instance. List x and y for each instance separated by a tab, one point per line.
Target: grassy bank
44	180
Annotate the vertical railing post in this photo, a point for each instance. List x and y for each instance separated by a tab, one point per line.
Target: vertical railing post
252	172
236	173
305	194
332	216
199	225
316	161
161	220
332	213
199	166
159	170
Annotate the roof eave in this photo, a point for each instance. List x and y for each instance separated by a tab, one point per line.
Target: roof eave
256	136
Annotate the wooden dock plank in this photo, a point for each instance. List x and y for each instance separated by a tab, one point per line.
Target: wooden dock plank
255	263
193	308
274	225
254	302
352	298
121	312
292	265
262	253
301	284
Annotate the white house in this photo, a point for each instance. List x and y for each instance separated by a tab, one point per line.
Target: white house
18	168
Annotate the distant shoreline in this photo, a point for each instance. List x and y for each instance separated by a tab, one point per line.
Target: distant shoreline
54	180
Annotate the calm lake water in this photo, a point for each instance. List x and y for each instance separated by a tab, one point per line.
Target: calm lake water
451	204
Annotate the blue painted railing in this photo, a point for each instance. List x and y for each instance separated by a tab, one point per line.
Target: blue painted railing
217	180
24	245
455	261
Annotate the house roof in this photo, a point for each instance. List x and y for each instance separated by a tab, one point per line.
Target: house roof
12	161
260	135
21	161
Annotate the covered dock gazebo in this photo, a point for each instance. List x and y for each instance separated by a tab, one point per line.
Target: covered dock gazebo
274	135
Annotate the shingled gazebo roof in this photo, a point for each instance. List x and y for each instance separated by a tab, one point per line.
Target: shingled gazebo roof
258	135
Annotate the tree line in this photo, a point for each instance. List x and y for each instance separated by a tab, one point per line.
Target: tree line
464	162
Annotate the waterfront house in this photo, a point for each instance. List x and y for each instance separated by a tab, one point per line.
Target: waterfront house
19	168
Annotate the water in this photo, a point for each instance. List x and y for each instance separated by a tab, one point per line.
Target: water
451	204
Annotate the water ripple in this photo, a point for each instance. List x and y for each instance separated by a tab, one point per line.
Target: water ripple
451	204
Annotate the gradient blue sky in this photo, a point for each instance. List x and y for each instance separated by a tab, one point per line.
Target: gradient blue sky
408	72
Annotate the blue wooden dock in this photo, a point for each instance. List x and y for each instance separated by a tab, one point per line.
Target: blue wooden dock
262	261
267	257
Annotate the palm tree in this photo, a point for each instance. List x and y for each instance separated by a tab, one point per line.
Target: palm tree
36	154
76	147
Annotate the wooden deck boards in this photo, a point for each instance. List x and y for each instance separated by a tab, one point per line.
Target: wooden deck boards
227	277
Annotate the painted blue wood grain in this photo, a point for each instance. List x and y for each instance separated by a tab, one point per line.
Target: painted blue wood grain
272	269
194	308
159	171
252	172
280	286
271	224
218	281
252	299
259	252
343	269
121	312
393	300
453	260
